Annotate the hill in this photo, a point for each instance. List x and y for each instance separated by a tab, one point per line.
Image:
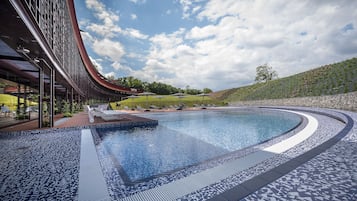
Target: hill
165	101
330	79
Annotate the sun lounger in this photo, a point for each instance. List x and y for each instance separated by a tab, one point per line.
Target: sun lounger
180	107
153	107
111	115
139	108
90	114
102	112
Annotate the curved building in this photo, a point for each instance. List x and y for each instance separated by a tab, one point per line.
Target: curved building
41	50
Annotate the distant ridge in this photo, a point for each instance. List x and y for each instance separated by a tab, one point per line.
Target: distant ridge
330	79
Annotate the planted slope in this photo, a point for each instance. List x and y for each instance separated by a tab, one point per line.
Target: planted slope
326	80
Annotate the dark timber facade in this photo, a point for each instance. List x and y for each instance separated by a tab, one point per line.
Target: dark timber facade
41	50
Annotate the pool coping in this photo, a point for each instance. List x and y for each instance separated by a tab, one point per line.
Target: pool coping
92	185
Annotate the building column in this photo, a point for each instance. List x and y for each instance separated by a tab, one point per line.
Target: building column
71	103
25	102
79	101
67	95
40	97
52	97
18	108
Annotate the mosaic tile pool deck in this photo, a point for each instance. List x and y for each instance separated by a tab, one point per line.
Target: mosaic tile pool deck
44	165
39	165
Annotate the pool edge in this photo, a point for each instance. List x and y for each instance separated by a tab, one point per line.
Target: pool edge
193	182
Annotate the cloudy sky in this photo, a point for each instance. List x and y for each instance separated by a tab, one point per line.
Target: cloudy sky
215	43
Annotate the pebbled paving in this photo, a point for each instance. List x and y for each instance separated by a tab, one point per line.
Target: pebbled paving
331	175
39	165
44	165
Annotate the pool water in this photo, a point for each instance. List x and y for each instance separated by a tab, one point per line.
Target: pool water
187	138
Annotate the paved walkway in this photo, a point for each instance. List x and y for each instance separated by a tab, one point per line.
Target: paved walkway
78	120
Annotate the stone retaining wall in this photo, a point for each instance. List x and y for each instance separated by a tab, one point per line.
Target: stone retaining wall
346	101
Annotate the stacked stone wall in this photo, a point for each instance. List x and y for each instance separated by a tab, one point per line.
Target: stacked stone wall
347	101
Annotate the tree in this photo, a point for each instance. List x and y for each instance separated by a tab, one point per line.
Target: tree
265	73
156	87
207	90
110	77
161	88
130	82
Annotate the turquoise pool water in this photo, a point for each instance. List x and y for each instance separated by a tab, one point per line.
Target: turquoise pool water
187	138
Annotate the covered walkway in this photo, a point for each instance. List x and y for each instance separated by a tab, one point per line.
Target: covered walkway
77	121
44	62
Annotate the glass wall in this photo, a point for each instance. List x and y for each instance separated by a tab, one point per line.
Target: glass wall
19	103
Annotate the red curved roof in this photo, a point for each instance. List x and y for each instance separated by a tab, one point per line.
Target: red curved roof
85	58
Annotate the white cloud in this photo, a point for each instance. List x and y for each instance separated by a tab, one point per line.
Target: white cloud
108	19
189	7
136	56
83	22
133	16
108	27
291	36
102	35
120	67
108	48
201	32
138	1
101	12
110	74
108	31
186	4
134	33
87	38
213	57
97	64
94	4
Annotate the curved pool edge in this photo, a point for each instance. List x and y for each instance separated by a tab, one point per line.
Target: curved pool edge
251	185
175	189
296	139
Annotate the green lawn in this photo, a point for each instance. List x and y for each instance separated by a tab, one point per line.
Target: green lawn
11	101
165	101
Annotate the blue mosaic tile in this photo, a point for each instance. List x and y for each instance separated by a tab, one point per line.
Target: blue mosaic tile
39	165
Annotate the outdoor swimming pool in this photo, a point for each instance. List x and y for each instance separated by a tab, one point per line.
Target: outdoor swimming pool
184	139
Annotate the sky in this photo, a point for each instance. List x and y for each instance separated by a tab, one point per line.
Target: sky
215	44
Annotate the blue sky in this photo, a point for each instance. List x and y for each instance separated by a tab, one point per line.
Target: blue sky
215	43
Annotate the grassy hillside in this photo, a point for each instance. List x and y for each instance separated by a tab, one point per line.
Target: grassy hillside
165	101
326	80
